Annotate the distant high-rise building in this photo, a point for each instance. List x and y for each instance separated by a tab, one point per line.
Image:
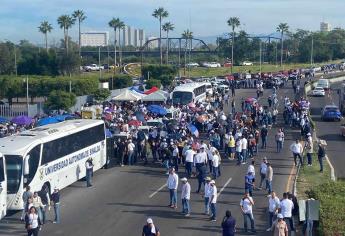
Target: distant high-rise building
94	39
132	37
142	37
325	27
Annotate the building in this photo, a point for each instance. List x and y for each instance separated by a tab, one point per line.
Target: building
142	37
94	39
325	27
132	37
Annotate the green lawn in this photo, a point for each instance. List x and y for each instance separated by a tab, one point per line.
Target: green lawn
310	177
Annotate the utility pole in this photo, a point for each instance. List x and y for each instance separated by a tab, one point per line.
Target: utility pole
70	86
15	60
27	94
260	56
312	51
99	62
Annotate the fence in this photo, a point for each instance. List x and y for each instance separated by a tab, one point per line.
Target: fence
10	111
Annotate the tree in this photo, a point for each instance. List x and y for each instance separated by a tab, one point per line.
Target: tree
168	27
188	36
60	100
153	83
282	28
101	94
45	28
80	16
114	24
65	22
164	73
6	58
160	13
122	81
233	22
120	26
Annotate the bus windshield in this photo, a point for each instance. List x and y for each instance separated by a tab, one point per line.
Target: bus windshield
182	97
14	165
2	173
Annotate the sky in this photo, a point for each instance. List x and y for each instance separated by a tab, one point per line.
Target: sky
19	19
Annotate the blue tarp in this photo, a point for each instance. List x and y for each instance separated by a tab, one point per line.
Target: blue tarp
63	117
22	120
108	133
140	116
3	120
156	109
47	120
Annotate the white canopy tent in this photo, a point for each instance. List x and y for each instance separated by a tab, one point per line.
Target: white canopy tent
159	96
128	95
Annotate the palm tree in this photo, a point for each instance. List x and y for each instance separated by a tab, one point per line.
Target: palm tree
65	22
114	23
160	13
120	26
168	26
80	16
282	28
233	22
45	28
188	36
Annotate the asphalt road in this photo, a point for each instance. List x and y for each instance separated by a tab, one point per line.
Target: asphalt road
330	130
123	197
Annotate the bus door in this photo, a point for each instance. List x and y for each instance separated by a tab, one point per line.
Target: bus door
3	187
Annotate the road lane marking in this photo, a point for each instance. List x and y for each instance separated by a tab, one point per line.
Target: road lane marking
289	180
155	192
222	189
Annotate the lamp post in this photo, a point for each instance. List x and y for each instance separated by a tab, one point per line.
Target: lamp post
312	51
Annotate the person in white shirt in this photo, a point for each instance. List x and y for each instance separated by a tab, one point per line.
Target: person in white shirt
213	200
185	196
297	150
172	184
246	205
273	208
286	206
130	152
200	158
32	221
207	194
215	164
244	143
189	161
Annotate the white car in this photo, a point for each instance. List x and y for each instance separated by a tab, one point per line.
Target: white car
223	87
93	67
247	63
211	64
193	64
318	91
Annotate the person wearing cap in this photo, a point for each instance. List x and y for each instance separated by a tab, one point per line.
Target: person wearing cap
249	184
246	205
279	227
207	195
150	229
308	146
172	184
55	198
321	154
185	196
213	200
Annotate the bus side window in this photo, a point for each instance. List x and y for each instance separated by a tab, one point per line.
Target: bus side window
2	169
33	162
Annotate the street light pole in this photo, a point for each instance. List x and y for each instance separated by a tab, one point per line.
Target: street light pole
260	57
99	62
312	51
27	93
15	59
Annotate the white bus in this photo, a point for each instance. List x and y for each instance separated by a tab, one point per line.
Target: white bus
3	187
51	156
187	93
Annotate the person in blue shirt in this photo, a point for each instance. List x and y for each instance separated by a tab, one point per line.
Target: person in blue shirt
228	224
249	183
150	229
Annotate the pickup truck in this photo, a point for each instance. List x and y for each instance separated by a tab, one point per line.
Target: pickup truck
93	67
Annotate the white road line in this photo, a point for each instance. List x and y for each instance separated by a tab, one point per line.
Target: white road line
154	193
222	189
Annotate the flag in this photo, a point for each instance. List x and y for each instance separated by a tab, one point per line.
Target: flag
193	130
